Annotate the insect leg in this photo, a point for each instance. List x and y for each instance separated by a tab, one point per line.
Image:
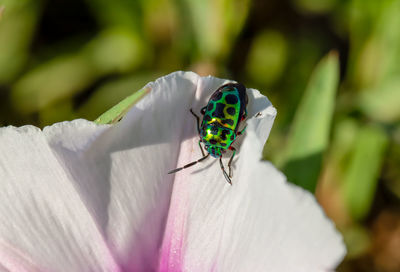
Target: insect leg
197	119
198	129
242	131
188	165
223	171
201	148
230	160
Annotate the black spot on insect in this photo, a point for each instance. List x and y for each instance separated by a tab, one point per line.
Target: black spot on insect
232	137
223	136
213	141
224	132
219	111
210	106
227	121
231	110
223	144
214	130
207	118
216	96
231	99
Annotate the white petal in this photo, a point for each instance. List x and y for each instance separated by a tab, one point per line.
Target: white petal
116	175
80	197
143	150
271	225
261	223
44	223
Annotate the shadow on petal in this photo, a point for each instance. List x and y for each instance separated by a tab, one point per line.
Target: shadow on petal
126	187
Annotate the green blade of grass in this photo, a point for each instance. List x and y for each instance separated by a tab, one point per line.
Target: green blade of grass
361	177
212	41
312	123
114	114
112	92
18	21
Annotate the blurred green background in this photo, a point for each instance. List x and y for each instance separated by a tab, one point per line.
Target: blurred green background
330	67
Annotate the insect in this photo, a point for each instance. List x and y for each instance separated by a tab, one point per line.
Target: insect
222	116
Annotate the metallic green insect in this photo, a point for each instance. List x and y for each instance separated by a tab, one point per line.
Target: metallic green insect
222	116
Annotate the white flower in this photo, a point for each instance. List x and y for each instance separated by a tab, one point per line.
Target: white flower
84	197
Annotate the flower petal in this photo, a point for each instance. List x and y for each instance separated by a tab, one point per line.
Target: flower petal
80	197
44	224
140	151
116	174
260	223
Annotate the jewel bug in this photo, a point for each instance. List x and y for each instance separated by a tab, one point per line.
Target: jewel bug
218	130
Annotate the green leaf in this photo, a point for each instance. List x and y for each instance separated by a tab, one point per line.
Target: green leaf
52	81
17	27
357	240
215	24
267	57
311	127
362	174
114	114
381	103
315	6
112	92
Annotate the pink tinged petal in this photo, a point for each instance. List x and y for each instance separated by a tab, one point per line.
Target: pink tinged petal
261	223
124	169
96	198
172	247
117	190
146	149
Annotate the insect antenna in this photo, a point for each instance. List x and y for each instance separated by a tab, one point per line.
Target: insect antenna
188	165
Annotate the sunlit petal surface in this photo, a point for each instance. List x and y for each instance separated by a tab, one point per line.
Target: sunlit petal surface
83	197
261	223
